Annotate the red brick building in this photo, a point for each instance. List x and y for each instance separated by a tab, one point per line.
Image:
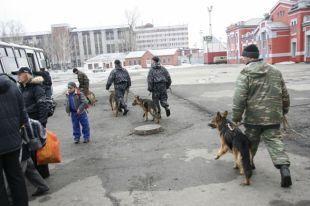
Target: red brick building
237	35
167	56
141	58
281	36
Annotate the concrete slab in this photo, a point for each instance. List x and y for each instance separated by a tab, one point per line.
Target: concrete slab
148	129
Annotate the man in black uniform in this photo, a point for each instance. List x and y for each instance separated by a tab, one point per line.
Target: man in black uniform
121	79
159	81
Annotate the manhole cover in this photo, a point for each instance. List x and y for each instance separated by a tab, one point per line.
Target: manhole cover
148	129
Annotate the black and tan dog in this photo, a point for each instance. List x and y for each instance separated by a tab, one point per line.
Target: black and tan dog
114	104
148	106
233	140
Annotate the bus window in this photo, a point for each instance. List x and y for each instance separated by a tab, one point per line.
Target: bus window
2	52
22	58
31	61
1	68
9	62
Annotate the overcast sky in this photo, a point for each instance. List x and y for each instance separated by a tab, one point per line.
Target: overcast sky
38	15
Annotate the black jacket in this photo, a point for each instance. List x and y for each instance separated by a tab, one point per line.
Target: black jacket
12	115
46	76
35	100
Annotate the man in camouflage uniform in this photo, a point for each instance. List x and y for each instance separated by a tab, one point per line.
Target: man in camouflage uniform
83	81
121	79
159	81
262	96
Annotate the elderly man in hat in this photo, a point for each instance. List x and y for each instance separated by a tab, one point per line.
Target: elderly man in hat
261	100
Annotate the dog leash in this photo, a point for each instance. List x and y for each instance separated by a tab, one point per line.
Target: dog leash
287	126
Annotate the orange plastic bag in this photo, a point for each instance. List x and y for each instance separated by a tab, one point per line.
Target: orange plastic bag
50	153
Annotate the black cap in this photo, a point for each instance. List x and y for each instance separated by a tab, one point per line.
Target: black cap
117	62
155	59
22	70
251	51
75	70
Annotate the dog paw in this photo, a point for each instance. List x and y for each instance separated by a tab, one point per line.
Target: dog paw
217	157
236	167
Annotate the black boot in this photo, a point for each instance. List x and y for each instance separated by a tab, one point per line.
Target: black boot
167	111
286	180
125	112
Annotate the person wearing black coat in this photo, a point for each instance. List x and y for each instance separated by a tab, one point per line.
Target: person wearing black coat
12	116
47	83
35	103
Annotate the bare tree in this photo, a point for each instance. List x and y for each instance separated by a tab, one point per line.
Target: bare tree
11	31
132	17
61	48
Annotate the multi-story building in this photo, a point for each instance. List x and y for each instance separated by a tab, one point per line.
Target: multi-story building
283	35
237	34
66	45
165	37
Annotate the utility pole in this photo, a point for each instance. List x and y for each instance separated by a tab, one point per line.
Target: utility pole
210	25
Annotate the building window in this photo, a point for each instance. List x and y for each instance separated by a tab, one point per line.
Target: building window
293	50
90	66
308	46
98	42
109	35
120	34
110	48
86	44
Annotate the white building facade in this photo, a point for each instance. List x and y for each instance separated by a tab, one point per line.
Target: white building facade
166	37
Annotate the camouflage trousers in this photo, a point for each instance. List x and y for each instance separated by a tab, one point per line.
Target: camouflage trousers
272	137
160	97
119	98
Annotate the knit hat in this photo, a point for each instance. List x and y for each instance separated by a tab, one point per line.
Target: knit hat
75	70
117	62
251	51
71	84
156	59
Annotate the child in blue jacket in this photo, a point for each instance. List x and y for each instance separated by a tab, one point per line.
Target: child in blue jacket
76	105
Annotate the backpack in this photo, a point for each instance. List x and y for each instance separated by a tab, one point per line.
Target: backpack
34	134
51	106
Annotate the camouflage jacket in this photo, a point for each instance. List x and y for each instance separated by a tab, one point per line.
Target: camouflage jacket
120	77
261	95
83	81
158	74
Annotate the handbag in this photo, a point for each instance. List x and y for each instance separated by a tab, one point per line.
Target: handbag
50	153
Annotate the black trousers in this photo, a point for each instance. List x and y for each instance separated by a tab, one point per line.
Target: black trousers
10	165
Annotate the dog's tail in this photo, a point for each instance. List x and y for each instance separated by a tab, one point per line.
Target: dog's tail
246	157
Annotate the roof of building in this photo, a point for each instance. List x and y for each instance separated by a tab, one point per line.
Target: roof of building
163	52
99	28
107	57
135	54
253	22
288	2
249	23
160	27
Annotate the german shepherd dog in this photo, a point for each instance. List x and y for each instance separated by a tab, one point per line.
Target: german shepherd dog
91	98
148	106
233	140
114	104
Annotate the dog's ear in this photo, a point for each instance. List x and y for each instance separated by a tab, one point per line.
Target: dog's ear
218	116
225	114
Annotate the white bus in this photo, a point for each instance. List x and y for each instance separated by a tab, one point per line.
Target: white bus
13	56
